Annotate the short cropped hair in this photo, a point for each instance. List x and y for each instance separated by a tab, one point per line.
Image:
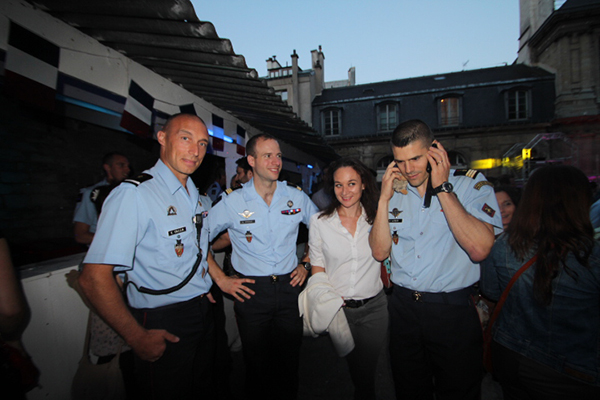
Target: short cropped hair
174	116
243	164
411	131
251	145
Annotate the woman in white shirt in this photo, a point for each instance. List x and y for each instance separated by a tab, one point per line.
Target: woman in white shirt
339	247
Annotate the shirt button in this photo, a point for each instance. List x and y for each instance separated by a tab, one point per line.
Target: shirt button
419	256
421	233
414	279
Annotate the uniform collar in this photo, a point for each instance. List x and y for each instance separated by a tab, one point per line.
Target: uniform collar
171	180
251	194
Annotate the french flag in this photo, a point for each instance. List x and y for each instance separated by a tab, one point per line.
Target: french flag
241	141
137	115
31	67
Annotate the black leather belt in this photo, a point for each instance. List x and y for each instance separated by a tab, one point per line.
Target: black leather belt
457	297
351	303
268	278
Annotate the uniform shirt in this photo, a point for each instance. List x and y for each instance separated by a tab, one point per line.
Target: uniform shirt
347	259
142	228
263	237
85	210
425	255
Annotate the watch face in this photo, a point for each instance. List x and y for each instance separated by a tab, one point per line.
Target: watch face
447	187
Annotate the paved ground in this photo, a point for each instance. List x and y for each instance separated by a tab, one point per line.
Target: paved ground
323	375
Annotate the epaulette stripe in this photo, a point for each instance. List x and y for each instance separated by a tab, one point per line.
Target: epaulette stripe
139	179
295	186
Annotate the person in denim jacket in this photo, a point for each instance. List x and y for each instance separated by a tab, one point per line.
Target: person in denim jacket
547	336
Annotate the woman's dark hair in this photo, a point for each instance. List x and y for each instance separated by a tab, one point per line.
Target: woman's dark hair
553	217
512	192
370	194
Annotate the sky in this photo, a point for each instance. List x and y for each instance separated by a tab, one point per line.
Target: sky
383	39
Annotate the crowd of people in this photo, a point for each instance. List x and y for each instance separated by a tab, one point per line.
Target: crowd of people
451	237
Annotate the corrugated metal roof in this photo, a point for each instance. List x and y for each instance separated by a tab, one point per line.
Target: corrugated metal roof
167	37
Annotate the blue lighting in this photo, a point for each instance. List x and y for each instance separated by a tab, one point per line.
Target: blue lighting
225	137
84	104
309	166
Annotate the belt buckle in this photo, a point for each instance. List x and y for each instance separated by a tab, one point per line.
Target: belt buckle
417	296
274	278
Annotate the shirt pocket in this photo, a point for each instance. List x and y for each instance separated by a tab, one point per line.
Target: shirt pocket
177	242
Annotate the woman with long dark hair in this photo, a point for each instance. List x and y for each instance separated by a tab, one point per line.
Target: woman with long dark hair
339	247
547	336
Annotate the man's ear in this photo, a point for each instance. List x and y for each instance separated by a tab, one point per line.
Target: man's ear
161	136
250	174
251	160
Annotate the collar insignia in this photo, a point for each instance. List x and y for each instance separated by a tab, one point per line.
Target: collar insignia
172	210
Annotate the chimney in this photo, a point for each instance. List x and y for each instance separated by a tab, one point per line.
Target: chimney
352	76
318	64
295	95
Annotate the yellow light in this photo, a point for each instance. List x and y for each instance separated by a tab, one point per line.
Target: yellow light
487	163
526	154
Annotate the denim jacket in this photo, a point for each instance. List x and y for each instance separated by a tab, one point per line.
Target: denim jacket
564	335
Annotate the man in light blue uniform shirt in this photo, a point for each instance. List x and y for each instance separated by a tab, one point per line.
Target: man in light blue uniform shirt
116	169
148	229
262	219
436	231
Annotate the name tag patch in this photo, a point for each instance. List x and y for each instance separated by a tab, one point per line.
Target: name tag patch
177	231
395	220
250	221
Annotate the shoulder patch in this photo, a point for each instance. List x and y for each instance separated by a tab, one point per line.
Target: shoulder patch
481	184
224	193
141	178
295	186
229	190
469	173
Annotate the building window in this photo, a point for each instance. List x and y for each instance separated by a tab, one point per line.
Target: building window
283	94
457	160
332	121
518	104
449	109
387	116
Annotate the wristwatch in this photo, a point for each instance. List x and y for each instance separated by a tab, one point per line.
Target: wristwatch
306	265
445	187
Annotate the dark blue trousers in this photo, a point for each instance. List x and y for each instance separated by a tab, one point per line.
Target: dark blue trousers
435	345
271	331
185	369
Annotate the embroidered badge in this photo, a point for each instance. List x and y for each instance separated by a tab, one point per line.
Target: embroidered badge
246	214
290	203
172	210
249	236
179	248
481	184
176	231
395	237
395	212
488	210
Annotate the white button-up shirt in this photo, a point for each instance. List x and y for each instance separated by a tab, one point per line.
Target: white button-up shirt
347	259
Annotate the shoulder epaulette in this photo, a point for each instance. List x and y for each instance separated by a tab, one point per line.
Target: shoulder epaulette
295	186
141	178
224	193
469	173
